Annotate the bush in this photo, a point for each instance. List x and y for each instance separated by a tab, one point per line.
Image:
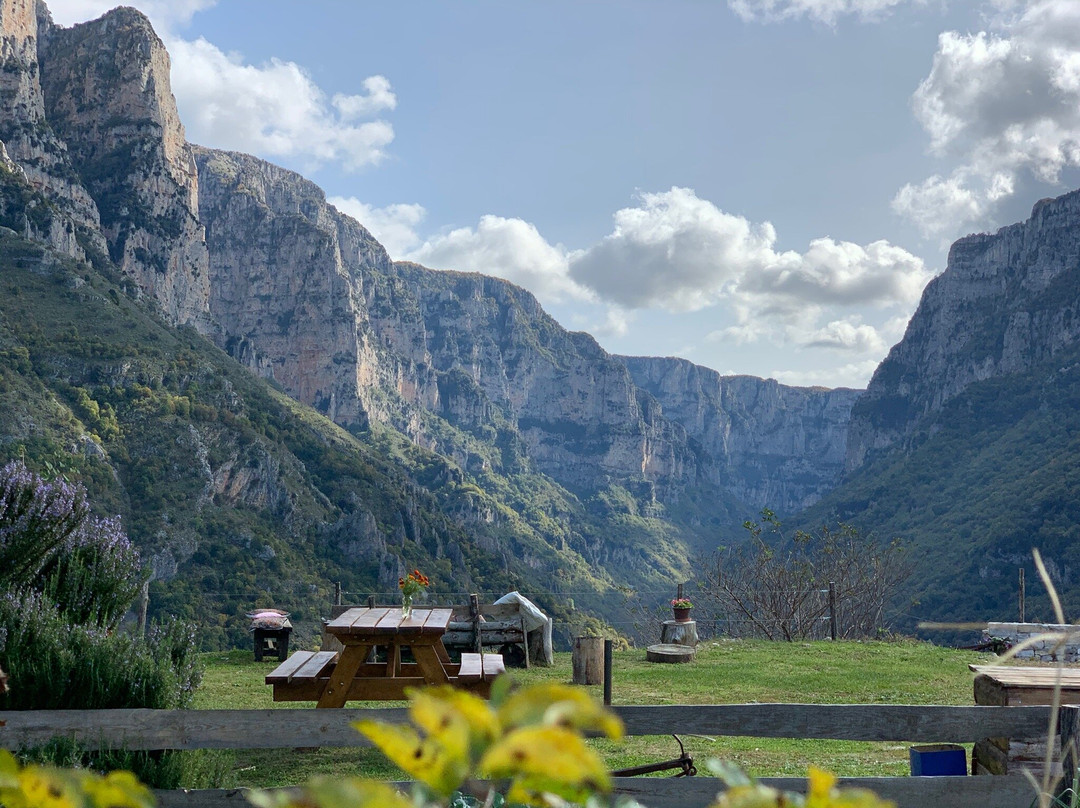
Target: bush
55	664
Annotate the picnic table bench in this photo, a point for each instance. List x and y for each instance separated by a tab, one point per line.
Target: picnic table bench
331	678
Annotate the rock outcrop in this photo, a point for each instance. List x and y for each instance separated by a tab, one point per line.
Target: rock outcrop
767	443
1006	302
30	141
107	95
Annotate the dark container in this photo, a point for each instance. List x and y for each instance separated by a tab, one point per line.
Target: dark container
938	760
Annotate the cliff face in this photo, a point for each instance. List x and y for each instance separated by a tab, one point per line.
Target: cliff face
306	296
767	443
1007	302
107	95
41	156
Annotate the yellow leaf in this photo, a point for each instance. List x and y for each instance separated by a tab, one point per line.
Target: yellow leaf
554	757
117	790
464	724
423	758
41	787
562	705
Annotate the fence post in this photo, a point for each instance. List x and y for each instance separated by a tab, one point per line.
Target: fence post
371	601
474	613
608	645
337	593
1022	595
679	594
832	610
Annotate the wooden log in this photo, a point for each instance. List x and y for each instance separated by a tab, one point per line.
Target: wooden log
587	660
464	639
674	632
670	652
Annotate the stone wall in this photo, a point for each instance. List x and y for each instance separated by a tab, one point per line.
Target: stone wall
1044	650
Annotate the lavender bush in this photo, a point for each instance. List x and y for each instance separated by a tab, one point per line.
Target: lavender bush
49	541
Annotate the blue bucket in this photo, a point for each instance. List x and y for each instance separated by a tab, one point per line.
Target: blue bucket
938	760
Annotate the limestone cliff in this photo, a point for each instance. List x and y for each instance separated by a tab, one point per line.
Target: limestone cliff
31	143
107	94
306	296
767	443
1006	302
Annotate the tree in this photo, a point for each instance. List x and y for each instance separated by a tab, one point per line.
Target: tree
778	587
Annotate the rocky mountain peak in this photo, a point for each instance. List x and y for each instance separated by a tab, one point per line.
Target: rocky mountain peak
1006	302
107	95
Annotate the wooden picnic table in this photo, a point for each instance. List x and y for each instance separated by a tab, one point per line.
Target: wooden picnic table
331	678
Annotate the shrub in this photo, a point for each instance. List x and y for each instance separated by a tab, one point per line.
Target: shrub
55	664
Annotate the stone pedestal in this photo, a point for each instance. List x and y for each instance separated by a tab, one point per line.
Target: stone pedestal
675	632
667	652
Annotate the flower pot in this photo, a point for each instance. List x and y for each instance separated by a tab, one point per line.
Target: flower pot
682	615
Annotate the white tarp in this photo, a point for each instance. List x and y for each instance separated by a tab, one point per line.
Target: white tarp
537	626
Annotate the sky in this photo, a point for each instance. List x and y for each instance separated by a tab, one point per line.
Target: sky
759	186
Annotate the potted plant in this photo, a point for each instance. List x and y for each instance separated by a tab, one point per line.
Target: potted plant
681	607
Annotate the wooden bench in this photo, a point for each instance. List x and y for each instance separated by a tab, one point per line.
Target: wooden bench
480	667
303	666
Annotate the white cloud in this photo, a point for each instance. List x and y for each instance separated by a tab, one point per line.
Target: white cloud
682	253
377	97
846	335
164	14
506	248
616	323
854	374
274	110
1005	103
826	11
393	226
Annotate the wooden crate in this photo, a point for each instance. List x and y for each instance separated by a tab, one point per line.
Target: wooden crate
1012	687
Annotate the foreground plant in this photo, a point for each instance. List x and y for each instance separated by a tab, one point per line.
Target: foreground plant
48	787
524	747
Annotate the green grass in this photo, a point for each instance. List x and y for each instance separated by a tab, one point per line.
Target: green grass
726	671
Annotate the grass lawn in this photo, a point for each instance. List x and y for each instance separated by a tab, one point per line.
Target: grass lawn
725	671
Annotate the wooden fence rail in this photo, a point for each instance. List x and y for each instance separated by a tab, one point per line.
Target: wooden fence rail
295	728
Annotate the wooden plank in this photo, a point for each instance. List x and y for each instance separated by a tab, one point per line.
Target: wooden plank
315	666
1024	676
471	668
214	729
493	666
284	671
191	729
852	722
488	628
698	792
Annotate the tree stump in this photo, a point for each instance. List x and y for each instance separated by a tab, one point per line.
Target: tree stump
675	632
670	653
588	660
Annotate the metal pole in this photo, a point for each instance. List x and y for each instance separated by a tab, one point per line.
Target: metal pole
832	610
607	671
1022	595
680	592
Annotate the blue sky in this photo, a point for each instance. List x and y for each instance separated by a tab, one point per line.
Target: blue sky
760	186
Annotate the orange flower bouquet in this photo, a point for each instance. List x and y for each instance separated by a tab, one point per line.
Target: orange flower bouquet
411	586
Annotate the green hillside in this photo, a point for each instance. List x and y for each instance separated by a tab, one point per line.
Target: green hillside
979	484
